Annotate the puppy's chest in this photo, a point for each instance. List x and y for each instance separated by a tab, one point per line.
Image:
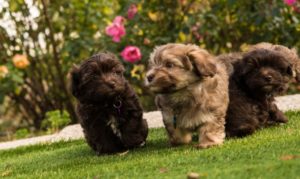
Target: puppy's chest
118	115
192	119
186	113
114	124
189	118
261	111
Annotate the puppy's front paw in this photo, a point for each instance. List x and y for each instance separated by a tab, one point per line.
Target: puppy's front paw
174	142
206	145
180	137
201	146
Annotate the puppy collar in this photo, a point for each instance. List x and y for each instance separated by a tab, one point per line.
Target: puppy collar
118	105
174	121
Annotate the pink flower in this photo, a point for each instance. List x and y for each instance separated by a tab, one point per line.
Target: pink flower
119	20
116	30
290	2
131	54
132	11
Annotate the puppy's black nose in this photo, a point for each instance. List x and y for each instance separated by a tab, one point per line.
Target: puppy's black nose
150	78
268	78
112	84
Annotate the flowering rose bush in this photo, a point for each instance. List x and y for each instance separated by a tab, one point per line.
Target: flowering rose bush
129	29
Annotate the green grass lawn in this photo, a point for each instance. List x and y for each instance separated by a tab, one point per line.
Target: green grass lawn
270	153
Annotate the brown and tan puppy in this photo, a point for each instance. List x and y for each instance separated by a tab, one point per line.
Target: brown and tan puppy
192	93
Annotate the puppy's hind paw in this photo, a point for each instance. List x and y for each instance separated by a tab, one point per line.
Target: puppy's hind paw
283	119
142	144
98	153
174	143
279	117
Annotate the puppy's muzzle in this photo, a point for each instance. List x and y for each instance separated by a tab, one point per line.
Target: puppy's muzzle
111	84
268	78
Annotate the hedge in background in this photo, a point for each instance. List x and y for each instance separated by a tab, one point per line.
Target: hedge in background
41	40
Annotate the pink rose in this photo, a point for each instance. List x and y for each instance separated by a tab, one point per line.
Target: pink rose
290	2
131	54
116	30
132	11
119	20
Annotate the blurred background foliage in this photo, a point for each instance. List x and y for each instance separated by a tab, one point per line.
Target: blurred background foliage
51	36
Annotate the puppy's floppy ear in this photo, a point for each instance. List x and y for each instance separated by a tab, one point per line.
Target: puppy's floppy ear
297	65
244	66
297	72
291	71
298	77
75	80
252	60
186	62
203	62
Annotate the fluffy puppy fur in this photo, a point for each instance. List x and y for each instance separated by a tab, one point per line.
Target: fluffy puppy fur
257	76
290	54
192	93
109	111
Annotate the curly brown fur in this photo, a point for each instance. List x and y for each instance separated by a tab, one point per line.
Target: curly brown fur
258	76
109	111
290	54
192	93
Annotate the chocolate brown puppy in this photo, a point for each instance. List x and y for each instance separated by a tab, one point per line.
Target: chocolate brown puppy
258	75
109	111
191	89
289	53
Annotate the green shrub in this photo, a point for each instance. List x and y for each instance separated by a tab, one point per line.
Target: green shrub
55	120
21	133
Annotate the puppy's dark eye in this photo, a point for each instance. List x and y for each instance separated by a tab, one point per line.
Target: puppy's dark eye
119	73
169	65
289	71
